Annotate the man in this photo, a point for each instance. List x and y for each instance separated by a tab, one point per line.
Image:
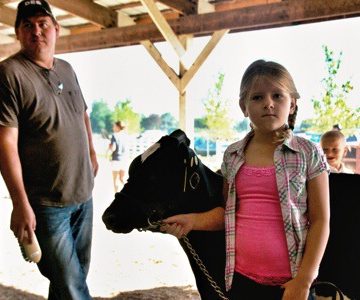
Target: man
47	156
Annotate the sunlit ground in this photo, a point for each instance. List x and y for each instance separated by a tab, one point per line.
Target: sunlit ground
119	262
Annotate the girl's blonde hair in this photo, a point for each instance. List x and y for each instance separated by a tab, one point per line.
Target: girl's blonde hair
280	76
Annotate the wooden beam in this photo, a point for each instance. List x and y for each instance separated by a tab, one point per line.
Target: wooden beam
185	7
188	75
244	19
88	10
205	7
86	28
124	20
184	112
235	4
156	55
164	26
5	39
126	5
284	13
9	49
7	16
3	2
145	19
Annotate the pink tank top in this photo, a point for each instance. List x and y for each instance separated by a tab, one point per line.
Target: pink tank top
261	248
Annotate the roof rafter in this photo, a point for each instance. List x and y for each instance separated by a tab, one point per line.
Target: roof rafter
244	19
186	7
3	2
163	26
88	10
7	16
234	4
284	13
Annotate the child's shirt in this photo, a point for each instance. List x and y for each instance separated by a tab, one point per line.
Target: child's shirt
261	249
343	169
296	161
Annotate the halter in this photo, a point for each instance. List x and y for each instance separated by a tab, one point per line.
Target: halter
191	180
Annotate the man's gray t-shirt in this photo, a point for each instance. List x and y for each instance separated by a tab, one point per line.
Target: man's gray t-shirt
48	108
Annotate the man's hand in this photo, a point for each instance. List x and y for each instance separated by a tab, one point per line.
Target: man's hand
94	163
23	222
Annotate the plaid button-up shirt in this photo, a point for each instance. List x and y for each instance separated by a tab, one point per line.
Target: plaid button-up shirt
296	161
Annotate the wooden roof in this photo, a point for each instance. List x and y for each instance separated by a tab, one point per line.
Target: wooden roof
88	25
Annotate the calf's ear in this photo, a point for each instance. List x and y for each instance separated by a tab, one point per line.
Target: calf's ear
180	136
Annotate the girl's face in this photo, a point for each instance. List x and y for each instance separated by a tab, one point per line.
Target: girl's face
116	128
268	106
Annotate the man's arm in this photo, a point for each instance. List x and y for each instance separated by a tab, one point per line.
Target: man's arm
92	152
22	217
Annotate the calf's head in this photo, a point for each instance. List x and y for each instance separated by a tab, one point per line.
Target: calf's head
167	179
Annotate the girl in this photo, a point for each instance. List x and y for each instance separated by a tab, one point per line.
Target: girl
119	155
277	196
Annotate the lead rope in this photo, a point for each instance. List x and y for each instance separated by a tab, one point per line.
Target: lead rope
199	262
202	267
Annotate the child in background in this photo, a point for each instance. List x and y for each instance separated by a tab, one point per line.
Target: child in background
334	145
119	155
277	196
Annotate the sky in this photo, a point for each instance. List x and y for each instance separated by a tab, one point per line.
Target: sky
131	73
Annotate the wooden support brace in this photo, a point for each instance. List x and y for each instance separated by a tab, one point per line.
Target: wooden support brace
163	26
216	37
156	55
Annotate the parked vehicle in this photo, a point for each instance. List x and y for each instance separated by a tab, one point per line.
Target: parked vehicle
204	147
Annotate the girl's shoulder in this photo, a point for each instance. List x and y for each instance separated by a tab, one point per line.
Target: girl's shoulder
239	146
234	147
302	144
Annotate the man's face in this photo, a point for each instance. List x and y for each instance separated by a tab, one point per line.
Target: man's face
334	150
37	35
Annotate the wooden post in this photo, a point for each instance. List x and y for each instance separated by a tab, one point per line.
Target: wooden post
186	116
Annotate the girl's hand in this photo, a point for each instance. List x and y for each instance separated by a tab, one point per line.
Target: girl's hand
179	225
296	289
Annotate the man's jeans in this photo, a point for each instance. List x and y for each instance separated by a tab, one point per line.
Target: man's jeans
65	235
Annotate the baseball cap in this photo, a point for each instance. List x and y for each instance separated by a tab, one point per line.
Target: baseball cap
29	8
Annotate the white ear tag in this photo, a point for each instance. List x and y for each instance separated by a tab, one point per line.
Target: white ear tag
149	151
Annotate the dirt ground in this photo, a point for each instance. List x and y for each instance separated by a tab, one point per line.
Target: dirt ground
138	265
161	293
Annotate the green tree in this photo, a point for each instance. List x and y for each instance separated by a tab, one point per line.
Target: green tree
199	124
168	123
243	125
151	122
306	125
332	108
217	118
124	112
100	117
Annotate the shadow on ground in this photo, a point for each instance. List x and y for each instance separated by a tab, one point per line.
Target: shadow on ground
161	293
